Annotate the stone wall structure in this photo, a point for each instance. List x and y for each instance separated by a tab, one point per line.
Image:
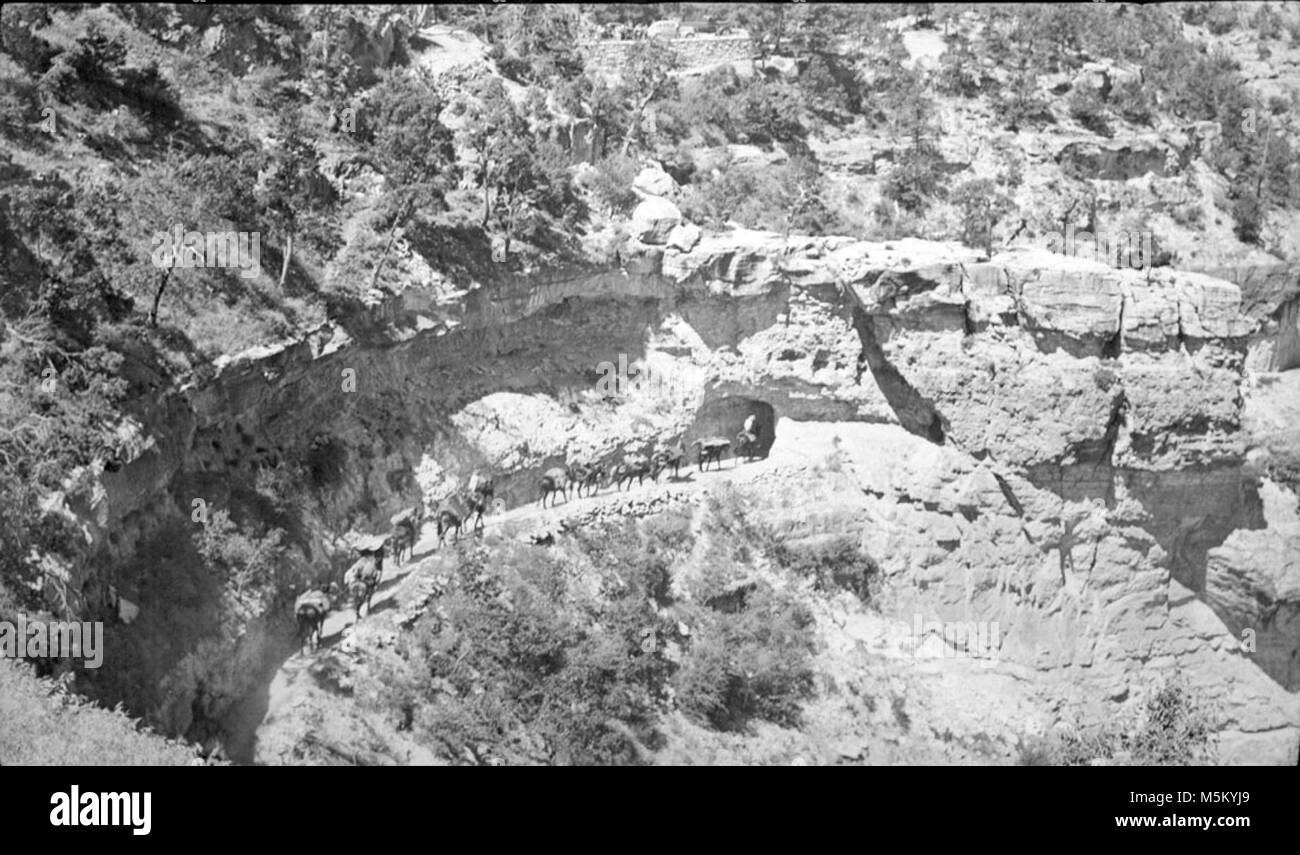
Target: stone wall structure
609	56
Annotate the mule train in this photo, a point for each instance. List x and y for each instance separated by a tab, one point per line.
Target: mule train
634	466
312	607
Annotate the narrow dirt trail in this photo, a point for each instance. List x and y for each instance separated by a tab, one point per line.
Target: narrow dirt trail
407	583
405	589
533	518
799	447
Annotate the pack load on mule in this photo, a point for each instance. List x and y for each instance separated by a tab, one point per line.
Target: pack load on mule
406	528
369	544
586	476
672	456
711	450
310	610
363	576
634	467
313	599
477	503
554	482
448	521
486	490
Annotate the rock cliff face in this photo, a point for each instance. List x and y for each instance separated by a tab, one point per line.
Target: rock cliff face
1068	445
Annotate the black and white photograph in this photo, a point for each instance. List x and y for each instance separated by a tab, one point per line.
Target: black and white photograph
664	384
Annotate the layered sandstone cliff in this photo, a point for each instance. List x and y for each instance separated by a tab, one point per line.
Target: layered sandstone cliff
1062	447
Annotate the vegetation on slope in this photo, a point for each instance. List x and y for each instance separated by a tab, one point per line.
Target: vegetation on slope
44	725
575	654
297	125
1175	727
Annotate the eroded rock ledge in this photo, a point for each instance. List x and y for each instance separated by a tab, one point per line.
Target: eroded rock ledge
1118	390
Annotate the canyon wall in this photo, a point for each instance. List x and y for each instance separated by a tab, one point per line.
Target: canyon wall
1099	413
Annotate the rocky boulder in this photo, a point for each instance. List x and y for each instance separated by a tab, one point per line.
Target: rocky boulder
684	237
654	181
1119	160
654	220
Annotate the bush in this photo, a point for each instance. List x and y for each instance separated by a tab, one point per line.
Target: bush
44	726
122	125
1221	18
18	23
524	667
1176	727
915	179
611	184
253	568
701	110
787	198
766	111
830	88
326	460
1087	109
1248	217
721	107
1177	730
754	663
837	565
150	92
1132	101
982	207
1018	104
538	44
20	107
959	70
574	654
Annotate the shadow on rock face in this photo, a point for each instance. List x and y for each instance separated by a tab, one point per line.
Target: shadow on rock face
726	417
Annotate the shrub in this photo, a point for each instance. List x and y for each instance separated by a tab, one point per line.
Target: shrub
538	44
982	207
253	567
611	184
326	459
149	90
1087	109
1018	104
18	25
573	654
721	107
121	125
524	667
1248	217
1221	18
785	198
959	70
1132	101
1175	728
670	532
20	107
44	726
754	663
830	88
836	565
766	111
915	178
